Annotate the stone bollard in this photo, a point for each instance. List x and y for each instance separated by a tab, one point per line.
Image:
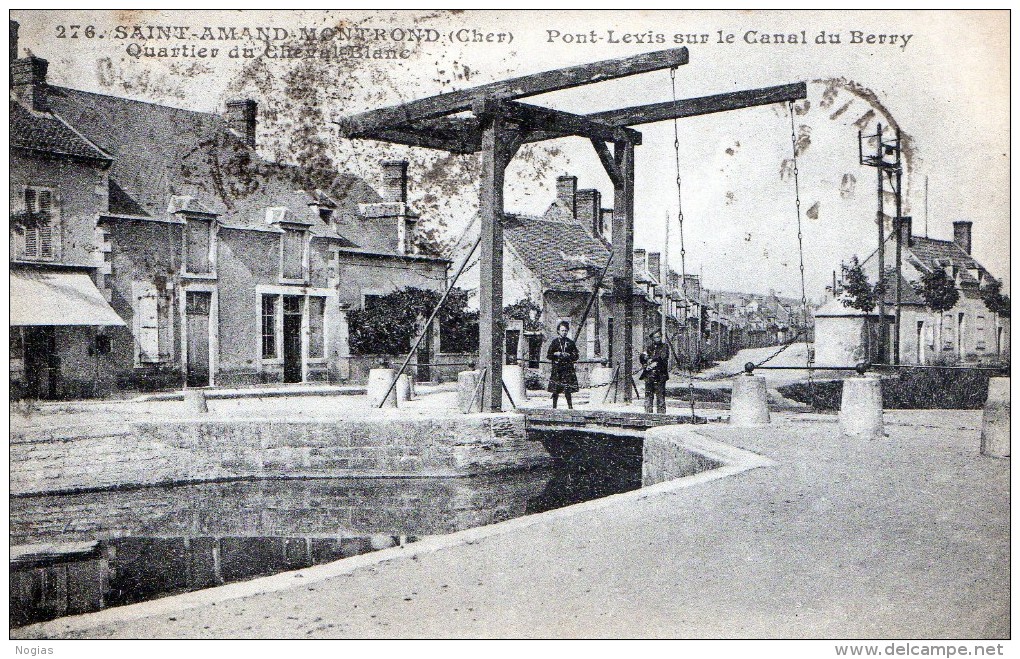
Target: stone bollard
995	421
403	388
379	380
467	386
599	382
513	378
860	410
749	402
194	401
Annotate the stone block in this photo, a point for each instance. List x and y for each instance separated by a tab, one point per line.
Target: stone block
469	396
995	420
749	406
379	381
860	410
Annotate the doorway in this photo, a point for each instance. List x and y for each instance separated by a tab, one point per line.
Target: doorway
513	339
534	350
196	311
42	363
292	363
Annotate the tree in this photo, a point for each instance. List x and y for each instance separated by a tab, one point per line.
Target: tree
857	291
994	300
458	326
938	290
524	310
939	294
388	323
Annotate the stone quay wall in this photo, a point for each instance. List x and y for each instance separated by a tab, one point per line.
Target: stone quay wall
191	450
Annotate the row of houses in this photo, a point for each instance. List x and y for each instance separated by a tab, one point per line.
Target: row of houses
152	246
553	261
971	332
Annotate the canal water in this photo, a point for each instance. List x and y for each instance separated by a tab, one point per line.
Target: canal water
78	553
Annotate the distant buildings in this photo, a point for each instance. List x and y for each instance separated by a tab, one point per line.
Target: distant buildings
554	261
969	333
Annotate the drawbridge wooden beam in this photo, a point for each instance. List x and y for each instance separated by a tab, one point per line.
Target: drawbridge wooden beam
367	124
463	135
534	119
692	107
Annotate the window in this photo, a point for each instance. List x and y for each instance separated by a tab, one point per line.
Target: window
325	214
197	303
316	327
198	247
269	304
40	226
292	258
153	323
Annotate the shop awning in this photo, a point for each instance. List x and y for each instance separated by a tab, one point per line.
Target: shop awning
58	298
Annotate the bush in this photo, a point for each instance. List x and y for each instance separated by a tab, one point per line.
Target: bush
907	389
388	323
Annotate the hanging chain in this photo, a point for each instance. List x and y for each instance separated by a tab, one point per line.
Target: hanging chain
683	251
800	247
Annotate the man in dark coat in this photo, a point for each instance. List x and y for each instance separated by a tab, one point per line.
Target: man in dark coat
563	353
655	360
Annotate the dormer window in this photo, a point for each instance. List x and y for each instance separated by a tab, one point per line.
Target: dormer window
199	246
325	214
293	254
294	239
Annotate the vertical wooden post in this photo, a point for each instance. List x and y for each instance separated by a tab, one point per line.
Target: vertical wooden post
490	208
623	255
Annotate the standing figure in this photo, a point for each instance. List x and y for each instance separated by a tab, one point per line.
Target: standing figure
563	353
655	360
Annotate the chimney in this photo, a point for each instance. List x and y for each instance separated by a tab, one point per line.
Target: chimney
961	234
241	117
906	231
654	263
566	188
640	262
28	82
588	209
14	40
607	224
394	181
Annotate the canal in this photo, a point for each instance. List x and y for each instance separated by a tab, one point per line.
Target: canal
78	553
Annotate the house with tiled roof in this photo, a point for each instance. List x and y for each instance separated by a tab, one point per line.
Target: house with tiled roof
219	266
969	333
554	260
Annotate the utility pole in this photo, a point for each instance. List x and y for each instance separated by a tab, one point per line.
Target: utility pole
894	170
898	227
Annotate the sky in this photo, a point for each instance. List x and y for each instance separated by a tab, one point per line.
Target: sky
944	82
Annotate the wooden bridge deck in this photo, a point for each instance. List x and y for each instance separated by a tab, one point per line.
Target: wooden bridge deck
577	419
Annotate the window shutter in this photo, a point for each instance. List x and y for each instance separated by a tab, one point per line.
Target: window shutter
45	199
165	322
146	321
31	227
